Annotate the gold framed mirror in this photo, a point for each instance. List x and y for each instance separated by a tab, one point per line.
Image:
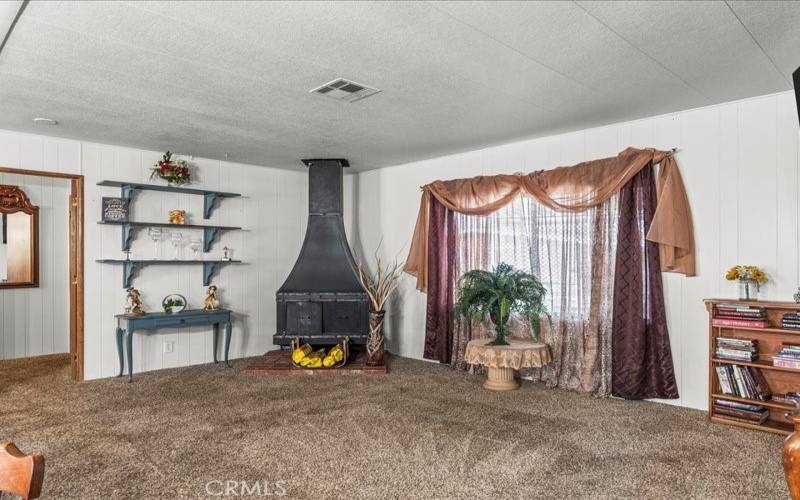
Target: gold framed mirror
19	239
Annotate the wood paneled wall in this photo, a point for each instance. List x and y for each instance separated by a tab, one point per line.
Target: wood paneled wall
272	212
740	165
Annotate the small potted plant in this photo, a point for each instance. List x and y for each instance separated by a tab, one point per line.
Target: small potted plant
379	287
496	294
175	172
173	303
750	279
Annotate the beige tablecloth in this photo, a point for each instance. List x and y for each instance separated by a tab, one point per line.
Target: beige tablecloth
520	354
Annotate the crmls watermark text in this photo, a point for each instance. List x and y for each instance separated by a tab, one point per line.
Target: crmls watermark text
233	488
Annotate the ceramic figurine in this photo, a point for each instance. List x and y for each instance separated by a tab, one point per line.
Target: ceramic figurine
134	301
177	216
212	302
227	253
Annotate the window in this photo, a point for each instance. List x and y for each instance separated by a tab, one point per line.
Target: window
564	250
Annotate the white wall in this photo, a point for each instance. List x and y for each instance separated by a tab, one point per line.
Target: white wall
273	212
35	321
740	165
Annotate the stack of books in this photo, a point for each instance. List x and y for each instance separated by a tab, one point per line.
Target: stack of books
788	356
736	349
739	315
743	412
791	321
790	398
743	382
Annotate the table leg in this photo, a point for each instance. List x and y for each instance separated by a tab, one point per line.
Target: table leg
501	379
227	342
216	336
120	333
129	347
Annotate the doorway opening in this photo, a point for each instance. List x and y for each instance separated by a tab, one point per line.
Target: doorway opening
36	246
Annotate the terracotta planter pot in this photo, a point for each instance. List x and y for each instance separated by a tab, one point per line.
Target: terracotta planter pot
375	340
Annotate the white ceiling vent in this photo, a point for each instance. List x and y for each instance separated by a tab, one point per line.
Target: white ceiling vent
345	90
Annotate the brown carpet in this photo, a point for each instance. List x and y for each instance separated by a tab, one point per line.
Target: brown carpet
423	431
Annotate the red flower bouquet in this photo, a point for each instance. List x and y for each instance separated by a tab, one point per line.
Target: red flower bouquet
173	171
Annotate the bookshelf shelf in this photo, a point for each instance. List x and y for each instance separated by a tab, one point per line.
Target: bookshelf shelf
780	331
768	426
769	342
768	404
765	365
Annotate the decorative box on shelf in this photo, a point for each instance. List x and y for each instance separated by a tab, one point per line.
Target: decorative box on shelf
746	388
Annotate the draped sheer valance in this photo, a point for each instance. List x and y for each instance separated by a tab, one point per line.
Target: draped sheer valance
568	189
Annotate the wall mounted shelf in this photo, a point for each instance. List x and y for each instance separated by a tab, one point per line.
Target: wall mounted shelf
209	232
210	198
129	266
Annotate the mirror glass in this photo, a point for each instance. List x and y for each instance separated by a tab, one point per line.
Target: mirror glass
18	239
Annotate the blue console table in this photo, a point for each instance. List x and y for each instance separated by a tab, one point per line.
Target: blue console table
127	325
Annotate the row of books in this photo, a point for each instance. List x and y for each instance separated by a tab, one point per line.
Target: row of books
791	321
743	382
740	315
741	411
736	349
788	356
790	398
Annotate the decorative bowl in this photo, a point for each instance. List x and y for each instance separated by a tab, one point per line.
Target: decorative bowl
174	303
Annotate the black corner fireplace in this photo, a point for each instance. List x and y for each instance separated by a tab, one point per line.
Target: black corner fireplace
322	300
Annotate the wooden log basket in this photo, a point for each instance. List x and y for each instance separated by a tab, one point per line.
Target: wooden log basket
296	343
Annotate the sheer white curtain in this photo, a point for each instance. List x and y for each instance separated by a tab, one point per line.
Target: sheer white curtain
573	255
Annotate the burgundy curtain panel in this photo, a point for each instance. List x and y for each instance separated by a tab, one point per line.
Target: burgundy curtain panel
641	364
441	268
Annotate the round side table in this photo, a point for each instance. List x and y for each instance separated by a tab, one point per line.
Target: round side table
502	361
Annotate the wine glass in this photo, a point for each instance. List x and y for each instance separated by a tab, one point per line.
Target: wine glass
177	243
195	243
155	235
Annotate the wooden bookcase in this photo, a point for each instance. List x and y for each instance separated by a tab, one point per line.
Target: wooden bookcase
769	339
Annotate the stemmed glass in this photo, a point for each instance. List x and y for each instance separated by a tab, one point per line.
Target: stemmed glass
177	243
195	243
155	235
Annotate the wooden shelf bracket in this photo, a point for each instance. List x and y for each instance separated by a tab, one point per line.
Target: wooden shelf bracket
208	270
127	236
128	268
209	202
209	235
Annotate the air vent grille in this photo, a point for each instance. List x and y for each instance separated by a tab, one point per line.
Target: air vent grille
345	90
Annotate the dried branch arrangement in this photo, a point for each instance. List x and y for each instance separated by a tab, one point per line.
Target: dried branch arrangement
379	286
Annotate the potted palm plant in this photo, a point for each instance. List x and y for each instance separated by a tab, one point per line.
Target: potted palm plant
496	294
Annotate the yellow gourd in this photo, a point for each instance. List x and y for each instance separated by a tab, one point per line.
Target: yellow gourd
300	353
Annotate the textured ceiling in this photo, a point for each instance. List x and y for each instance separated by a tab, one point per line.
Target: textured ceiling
207	79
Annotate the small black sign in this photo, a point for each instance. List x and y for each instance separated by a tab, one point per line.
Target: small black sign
115	210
